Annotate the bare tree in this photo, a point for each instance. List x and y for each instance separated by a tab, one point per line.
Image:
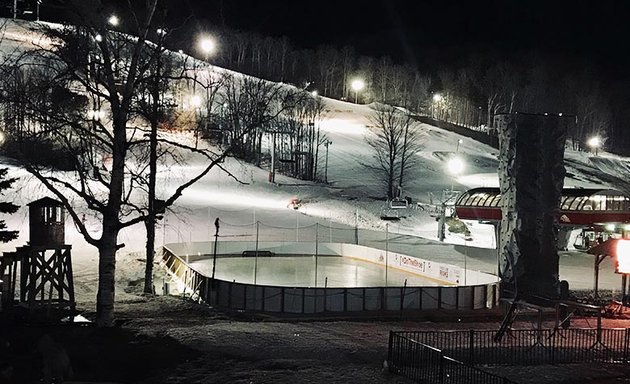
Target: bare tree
395	142
108	68
251	106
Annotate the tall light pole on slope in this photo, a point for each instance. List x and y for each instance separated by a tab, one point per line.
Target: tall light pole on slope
357	85
435	106
38	3
328	142
208	46
594	142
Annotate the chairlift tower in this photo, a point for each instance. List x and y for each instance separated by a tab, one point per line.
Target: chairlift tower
448	196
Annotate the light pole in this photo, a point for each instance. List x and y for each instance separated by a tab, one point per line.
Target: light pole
594	142
272	172
207	46
328	142
357	85
458	143
437	98
214	254
386	252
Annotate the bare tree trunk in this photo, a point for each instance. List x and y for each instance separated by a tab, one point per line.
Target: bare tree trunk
106	279
150	220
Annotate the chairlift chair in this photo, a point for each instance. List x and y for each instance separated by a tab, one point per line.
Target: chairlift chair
390	214
398	203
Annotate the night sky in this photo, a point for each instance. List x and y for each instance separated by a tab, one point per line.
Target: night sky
424	33
431	32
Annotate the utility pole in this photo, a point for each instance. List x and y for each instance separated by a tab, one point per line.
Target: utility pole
14	9
328	142
272	172
386	251
214	253
442	222
37	9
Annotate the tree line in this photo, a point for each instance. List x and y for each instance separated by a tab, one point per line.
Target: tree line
470	93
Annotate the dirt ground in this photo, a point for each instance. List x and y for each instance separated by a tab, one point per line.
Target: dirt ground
172	340
166	339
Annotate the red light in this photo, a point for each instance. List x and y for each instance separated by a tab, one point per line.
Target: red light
622	259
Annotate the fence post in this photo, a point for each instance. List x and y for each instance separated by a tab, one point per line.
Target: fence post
441	368
553	344
389	350
599	327
205	289
626	341
471	347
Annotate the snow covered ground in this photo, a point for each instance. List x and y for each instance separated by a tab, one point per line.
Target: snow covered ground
352	197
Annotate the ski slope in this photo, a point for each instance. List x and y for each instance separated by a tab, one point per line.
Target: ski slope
352	197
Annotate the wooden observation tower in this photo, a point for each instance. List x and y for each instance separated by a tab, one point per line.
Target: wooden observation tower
43	267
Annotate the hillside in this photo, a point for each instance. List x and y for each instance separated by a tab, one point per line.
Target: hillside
352	197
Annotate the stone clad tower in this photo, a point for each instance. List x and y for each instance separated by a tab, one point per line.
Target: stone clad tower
531	174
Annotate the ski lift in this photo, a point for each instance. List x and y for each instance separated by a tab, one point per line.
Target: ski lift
389	214
582	242
434	210
587	239
398	203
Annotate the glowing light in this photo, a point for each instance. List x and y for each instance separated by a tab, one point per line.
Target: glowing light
207	45
195	101
594	142
455	166
437	97
357	85
161	31
610	227
314	93
623	256
113	20
98	38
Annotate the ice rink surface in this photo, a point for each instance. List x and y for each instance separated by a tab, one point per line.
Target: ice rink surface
299	271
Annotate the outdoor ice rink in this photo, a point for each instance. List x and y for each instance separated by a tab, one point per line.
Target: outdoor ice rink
299	271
